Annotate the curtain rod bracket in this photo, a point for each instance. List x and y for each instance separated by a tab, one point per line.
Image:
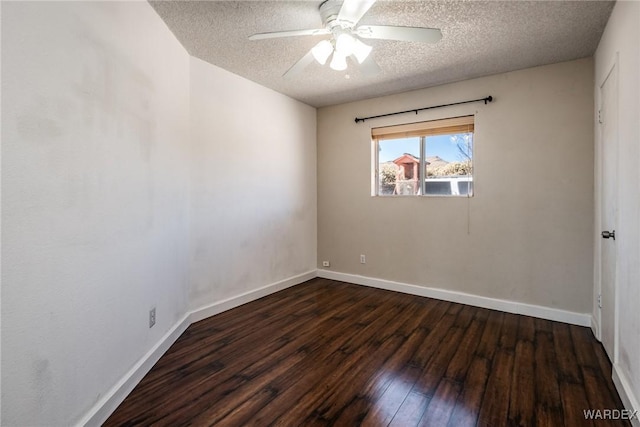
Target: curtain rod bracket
486	100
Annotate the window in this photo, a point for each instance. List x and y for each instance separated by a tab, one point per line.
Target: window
432	158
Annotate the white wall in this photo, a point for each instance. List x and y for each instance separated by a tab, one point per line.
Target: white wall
95	178
526	235
115	198
622	37
253	208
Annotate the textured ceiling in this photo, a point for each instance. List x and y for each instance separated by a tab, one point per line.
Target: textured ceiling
479	38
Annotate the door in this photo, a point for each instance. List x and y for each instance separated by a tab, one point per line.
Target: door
608	118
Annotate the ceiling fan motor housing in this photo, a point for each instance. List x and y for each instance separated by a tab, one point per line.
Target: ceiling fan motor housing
329	10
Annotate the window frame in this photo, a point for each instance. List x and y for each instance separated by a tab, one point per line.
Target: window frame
422	130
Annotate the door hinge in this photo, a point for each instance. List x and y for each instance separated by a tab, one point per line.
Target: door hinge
599	300
600	116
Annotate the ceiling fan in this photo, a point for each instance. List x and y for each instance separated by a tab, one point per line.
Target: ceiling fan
340	20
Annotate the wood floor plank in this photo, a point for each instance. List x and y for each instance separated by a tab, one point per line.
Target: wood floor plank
441	404
509	331
356	377
604	368
548	401
443	352
332	366
598	398
526	328
582	339
467	408
435	325
392	389
332	353
522	405
491	335
437	365
411	410
407	363
568	368
465	351
543	325
574	402
385	407
376	385
495	402
331	356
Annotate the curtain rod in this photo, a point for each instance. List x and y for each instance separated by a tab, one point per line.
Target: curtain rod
486	99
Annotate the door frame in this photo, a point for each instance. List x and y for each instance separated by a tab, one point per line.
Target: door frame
597	318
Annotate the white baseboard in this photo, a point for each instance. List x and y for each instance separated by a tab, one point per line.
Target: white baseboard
629	400
101	411
581	319
229	303
105	407
595	327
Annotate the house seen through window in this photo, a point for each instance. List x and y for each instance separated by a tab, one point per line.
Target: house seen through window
432	158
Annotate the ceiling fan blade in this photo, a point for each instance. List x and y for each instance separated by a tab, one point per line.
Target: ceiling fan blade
369	67
299	66
353	10
405	34
276	34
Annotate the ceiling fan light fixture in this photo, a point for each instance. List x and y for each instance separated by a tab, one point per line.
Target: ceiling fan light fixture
322	51
361	51
345	44
338	62
340	20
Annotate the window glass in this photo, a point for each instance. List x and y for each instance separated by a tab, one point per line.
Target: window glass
399	166
432	158
437	187
449	161
465	188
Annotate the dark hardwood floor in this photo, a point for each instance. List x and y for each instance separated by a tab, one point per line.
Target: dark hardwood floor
332	353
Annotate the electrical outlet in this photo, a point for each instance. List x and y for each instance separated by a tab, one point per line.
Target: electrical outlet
363	259
325	263
152	317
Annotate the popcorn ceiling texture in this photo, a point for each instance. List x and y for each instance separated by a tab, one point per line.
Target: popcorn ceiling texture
479	38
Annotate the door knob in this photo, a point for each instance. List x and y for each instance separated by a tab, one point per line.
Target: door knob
609	234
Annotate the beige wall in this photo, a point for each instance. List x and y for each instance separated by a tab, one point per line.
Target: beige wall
525	236
622	38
